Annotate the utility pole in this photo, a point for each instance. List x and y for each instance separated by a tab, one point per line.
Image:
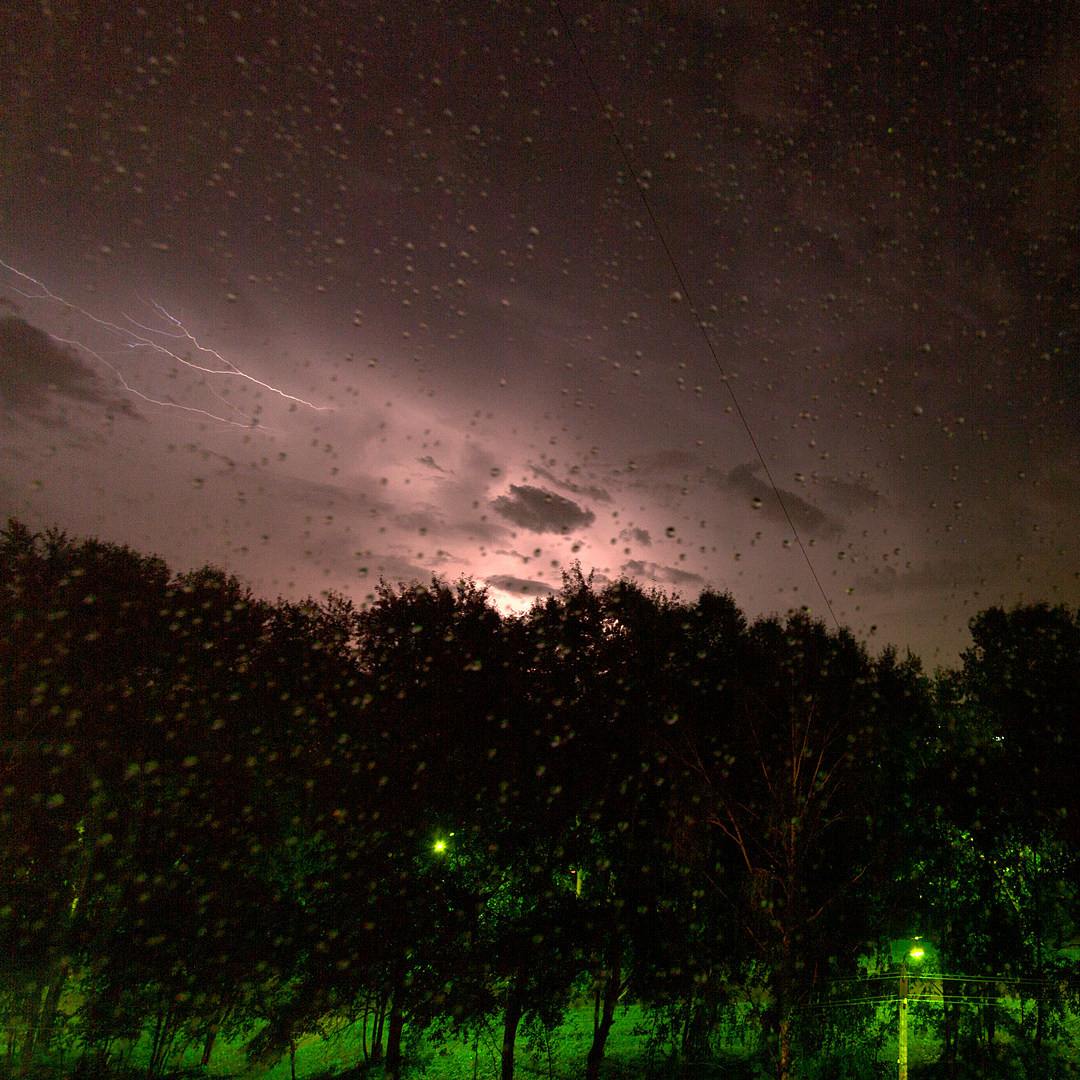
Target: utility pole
901	1057
916	954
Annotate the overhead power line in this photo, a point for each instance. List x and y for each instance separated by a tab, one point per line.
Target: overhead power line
686	293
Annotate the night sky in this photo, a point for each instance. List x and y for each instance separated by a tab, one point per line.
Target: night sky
327	292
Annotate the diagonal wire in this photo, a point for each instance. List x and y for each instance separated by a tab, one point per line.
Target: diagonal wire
661	236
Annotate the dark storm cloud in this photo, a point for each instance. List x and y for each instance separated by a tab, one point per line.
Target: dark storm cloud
34	369
938	576
662	575
636	536
598	494
429	521
366	494
883	580
808	519
847	495
519	586
397	570
479	530
419	521
540	510
667	460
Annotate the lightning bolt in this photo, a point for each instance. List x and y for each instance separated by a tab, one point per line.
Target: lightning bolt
248	422
156	340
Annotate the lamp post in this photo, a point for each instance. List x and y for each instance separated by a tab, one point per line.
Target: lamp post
915	953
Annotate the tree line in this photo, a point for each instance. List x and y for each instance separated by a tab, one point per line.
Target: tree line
225	816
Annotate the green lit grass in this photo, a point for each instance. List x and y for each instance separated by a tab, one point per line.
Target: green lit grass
859	1040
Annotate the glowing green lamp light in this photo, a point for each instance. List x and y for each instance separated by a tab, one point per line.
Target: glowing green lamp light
915	954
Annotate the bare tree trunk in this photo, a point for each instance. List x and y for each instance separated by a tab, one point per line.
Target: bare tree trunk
43	1026
784	1066
208	1046
511	1020
30	1038
157	1050
363	1026
157	1040
784	991
395	1026
43	1013
47	1023
167	1049
608	991
377	1027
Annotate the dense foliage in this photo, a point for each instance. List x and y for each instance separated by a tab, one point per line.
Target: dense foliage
225	815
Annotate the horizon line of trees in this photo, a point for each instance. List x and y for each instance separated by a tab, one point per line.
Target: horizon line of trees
220	814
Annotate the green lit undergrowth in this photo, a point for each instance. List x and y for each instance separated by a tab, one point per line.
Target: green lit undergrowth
560	1052
344	1049
852	1038
640	1044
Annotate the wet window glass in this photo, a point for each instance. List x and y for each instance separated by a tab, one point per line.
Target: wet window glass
538	536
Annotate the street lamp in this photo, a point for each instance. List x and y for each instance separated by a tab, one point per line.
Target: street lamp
914	954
